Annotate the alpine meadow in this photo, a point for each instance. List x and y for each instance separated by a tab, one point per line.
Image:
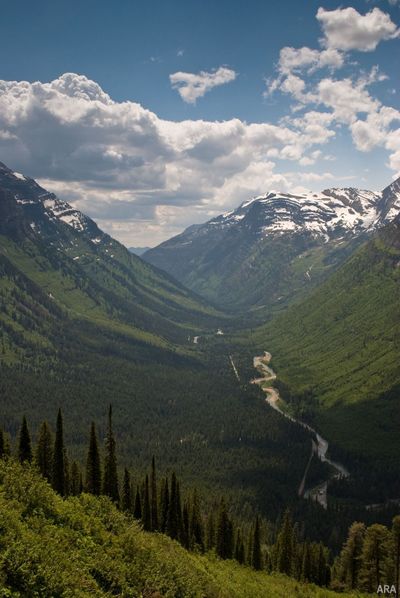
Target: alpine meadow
200	299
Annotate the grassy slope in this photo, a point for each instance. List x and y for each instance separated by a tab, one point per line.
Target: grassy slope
342	342
83	546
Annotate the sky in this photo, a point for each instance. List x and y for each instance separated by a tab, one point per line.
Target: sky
150	116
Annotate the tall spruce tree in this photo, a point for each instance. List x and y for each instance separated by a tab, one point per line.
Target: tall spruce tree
172	527
284	546
110	482
93	464
44	451
126	501
164	505
196	525
349	561
185	532
210	531
224	539
24	443
154	498
256	562
373	557
137	511
146	511
58	480
239	548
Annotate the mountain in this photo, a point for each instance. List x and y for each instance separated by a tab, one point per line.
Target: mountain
138	250
274	246
337	356
66	263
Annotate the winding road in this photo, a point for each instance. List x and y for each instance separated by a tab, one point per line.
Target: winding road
319	446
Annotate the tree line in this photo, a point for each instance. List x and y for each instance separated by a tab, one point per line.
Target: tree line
370	555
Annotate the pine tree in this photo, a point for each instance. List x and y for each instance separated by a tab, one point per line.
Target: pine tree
306	563
58	471
239	548
137	511
24	443
185	532
256	548
93	464
196	525
164	507
373	557
210	531
126	502
224	538
172	516
349	560
44	451
110	482
154	506
76	479
67	474
284	546
146	512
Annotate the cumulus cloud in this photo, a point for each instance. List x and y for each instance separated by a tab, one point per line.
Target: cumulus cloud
191	86
346	29
121	163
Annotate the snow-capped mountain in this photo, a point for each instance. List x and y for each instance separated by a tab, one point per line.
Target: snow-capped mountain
331	213
40	208
274	243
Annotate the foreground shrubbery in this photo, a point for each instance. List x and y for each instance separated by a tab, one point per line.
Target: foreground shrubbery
84	546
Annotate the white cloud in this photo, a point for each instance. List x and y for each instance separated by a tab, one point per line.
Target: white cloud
122	164
191	86
293	59
346	29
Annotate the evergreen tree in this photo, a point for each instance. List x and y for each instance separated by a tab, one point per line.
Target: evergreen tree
349	560
224	538
110	482
256	548
210	531
76	479
137	511
146	512
154	506
126	502
185	532
239	548
58	470
44	451
93	464
284	545
67	474
373	557
172	526
306	562
24	443
196	525
164	507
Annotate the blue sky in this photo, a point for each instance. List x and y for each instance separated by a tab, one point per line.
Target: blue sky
125	141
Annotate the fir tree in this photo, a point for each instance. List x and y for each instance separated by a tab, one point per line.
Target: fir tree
110	482
196	525
44	451
239	548
67	474
137	511
284	545
172	516
185	532
24	443
146	511
164	507
126	502
256	547
373	557
224	538
306	562
350	557
210	531
93	464
58	471
76	479
154	507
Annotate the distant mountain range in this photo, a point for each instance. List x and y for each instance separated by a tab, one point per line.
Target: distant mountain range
138	250
276	245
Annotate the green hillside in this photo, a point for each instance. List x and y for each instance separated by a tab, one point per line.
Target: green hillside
83	546
337	352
